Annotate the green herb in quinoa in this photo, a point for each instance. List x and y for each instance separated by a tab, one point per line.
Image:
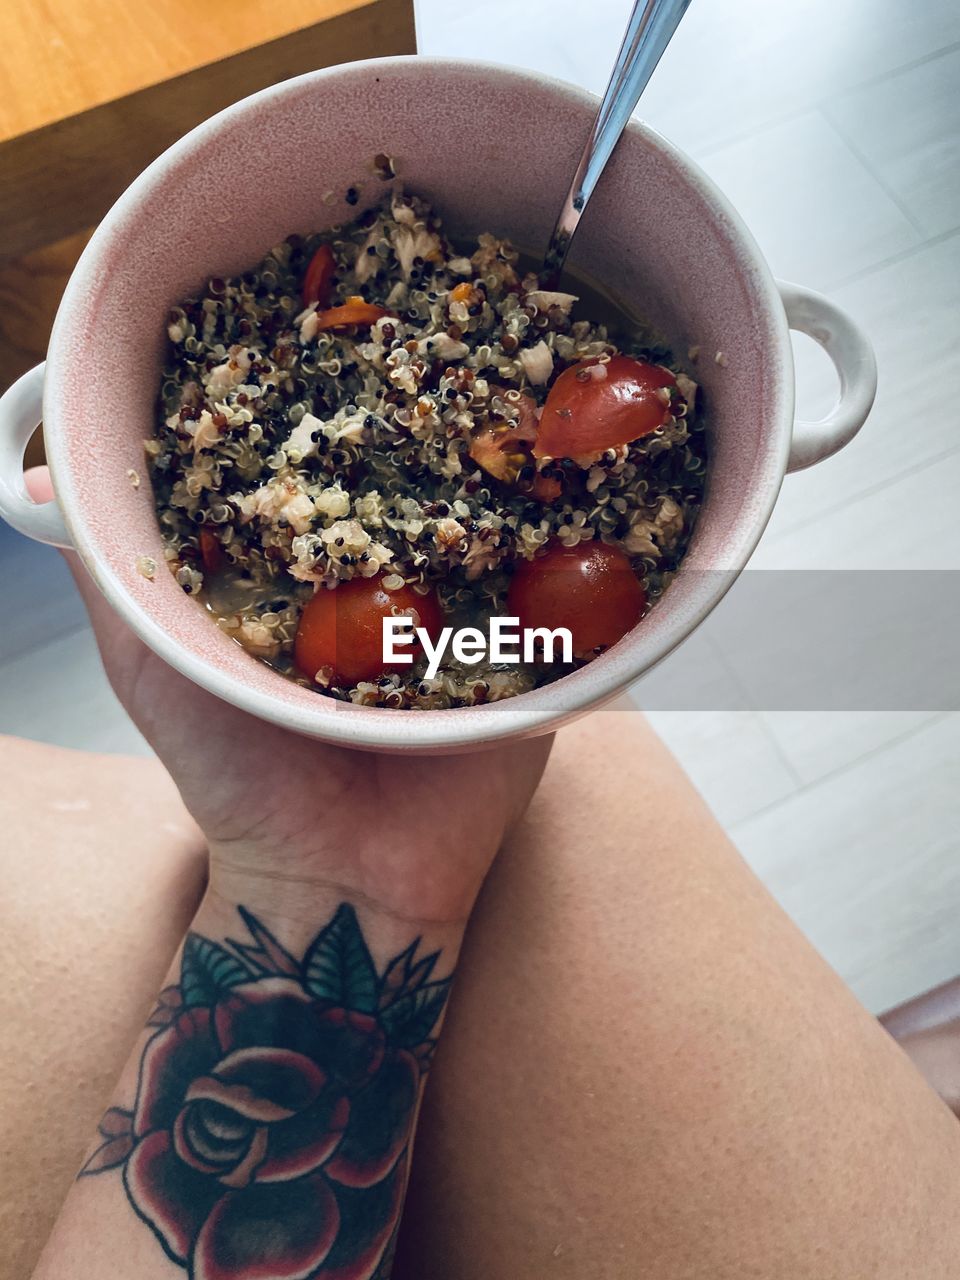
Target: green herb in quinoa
291	456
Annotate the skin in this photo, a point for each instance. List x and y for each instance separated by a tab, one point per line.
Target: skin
293	829
447	817
646	1070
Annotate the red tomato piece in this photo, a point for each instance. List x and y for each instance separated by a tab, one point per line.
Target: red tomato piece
503	451
211	551
591	589
318	280
586	412
342	628
546	488
353	311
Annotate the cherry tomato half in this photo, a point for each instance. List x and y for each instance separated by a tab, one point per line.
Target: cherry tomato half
319	275
342	628
591	589
586	413
353	311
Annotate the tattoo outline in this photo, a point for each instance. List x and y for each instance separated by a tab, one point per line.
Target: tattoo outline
275	1102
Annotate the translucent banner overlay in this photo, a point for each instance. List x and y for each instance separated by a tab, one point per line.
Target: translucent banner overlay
824	640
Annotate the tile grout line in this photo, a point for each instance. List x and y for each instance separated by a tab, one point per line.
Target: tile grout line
771	741
781	755
902	255
713	148
881	182
814	105
872	81
869	492
936	717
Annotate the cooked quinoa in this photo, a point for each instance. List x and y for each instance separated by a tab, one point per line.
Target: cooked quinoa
290	457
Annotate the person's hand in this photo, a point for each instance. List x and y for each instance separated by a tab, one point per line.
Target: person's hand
413	834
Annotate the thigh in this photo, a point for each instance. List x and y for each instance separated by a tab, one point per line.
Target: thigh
616	1049
102	870
647	1071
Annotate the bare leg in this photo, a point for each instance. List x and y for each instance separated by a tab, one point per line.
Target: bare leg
631	1016
101	870
649	1072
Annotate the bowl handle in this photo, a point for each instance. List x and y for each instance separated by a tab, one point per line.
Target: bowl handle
849	348
20	415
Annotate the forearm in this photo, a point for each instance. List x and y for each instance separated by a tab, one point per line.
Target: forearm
264	1121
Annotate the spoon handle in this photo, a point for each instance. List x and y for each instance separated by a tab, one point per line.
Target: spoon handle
649	30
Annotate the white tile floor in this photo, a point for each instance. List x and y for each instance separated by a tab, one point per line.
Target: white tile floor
834	125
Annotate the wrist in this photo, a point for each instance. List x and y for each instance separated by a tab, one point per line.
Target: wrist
418	884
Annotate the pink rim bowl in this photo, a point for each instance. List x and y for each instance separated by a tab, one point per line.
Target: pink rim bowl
493	148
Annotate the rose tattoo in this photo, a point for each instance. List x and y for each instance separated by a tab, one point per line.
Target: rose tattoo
271	1126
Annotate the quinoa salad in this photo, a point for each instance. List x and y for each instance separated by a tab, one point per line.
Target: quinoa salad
372	405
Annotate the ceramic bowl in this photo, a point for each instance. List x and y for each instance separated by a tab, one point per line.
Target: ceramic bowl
493	149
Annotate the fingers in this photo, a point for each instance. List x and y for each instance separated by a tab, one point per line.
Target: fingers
39	485
169	710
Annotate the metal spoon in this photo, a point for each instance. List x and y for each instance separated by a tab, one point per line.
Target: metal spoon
649	31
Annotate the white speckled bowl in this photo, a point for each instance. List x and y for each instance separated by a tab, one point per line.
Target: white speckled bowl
494	149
